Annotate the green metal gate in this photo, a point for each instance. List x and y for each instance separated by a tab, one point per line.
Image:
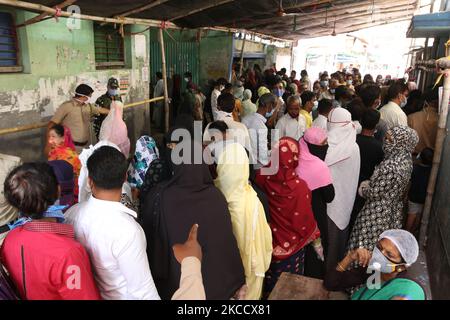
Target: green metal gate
180	58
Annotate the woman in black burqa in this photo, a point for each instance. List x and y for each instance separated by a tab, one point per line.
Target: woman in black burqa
170	209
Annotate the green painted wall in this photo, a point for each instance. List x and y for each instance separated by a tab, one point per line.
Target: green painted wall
216	50
55	61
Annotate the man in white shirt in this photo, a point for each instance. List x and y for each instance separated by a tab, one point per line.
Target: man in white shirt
218	87
392	112
108	230
324	108
236	131
291	124
256	124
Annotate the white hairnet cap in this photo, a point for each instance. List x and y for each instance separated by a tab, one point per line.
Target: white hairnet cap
405	242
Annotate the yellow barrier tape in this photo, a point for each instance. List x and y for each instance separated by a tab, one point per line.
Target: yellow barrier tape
44	124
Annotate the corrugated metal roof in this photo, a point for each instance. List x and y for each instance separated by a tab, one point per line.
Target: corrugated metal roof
288	19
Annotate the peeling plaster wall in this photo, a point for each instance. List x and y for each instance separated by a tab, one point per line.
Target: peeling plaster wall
55	61
216	50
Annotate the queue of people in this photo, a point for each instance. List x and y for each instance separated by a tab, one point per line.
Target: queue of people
283	181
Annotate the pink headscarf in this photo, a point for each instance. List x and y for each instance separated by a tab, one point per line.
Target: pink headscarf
68	142
114	128
310	168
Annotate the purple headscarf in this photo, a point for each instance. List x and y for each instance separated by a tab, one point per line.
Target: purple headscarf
64	174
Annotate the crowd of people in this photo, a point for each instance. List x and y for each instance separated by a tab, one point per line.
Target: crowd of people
324	179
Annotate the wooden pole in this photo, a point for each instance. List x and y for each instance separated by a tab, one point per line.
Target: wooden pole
292	57
234	30
121	20
241	61
44	124
164	74
45	14
203	8
140	9
440	139
52	11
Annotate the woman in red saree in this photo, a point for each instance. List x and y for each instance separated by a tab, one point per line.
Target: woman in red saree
62	148
291	216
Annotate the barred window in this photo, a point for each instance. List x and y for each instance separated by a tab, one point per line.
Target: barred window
109	47
9	57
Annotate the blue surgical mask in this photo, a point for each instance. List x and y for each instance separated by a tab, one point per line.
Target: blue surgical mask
380	263
269	114
324	83
279	92
54	211
113	92
349	82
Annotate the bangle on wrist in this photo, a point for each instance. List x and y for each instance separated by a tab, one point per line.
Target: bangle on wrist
340	267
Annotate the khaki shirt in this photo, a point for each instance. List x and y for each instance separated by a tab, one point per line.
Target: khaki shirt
425	122
7	212
76	117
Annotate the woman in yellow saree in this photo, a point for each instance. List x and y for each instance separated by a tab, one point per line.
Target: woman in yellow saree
249	222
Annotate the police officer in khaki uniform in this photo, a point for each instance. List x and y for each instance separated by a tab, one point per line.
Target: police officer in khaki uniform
76	114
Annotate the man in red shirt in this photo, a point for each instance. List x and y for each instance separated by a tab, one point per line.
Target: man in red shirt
44	260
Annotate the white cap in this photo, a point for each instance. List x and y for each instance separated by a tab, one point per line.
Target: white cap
405	242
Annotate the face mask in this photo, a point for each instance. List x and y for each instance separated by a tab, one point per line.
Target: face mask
221	88
332	91
318	151
324	83
349	82
378	105
279	92
186	79
404	103
269	114
88	101
113	92
315	106
380	263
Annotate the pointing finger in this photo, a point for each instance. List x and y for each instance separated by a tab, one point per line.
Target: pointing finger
193	233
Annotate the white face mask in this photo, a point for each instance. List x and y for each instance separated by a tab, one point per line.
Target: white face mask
404	103
315	106
88	101
381	263
378	105
221	88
